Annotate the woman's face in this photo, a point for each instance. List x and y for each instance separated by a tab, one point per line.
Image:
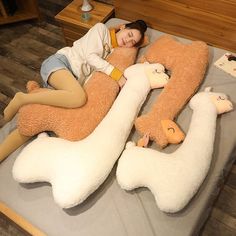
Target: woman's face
128	37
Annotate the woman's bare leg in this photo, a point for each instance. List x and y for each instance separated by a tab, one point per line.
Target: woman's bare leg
68	93
11	143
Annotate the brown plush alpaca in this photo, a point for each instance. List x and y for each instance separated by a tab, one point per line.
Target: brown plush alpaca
187	64
76	124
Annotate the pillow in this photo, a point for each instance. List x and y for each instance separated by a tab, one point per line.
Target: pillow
175	178
187	63
76	124
77	169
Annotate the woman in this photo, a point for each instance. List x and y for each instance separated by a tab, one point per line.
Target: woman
68	69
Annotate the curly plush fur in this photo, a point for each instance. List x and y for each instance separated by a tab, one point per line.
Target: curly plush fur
76	124
187	64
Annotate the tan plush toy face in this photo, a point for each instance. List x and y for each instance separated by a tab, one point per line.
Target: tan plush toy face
173	133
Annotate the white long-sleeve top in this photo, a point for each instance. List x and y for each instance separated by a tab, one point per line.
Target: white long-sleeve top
89	52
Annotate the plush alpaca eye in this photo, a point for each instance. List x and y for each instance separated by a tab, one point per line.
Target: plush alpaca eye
156	71
220	98
172	129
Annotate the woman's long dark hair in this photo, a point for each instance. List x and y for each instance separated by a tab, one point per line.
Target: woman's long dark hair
139	25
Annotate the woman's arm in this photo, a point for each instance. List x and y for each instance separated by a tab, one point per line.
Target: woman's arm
95	41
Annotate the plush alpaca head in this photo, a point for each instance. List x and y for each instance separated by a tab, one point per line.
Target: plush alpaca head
219	100
155	73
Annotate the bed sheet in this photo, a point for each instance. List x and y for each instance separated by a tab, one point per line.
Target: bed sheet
113	211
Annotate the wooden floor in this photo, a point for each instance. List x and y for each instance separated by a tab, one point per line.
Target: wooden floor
23	47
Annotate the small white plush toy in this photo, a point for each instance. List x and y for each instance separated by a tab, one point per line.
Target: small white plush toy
175	178
77	169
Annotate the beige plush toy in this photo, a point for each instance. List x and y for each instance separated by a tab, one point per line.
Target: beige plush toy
187	63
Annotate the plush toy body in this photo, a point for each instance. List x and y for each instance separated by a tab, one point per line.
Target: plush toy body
187	64
175	178
76	124
76	169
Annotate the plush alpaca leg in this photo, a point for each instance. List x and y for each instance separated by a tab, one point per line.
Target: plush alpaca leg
68	94
11	143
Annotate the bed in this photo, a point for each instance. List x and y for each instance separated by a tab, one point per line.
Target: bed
111	210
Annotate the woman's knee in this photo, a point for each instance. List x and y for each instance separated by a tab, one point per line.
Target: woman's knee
78	98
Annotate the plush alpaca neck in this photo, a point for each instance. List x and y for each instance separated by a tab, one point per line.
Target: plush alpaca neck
200	137
117	124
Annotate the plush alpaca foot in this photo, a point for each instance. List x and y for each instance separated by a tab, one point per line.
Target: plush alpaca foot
13	106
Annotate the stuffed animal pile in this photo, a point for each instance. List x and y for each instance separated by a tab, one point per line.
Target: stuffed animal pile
76	169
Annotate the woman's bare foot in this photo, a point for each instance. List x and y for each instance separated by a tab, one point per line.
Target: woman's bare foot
13	107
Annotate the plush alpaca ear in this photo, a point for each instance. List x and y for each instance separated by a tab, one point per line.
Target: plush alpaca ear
208	89
145	42
143	142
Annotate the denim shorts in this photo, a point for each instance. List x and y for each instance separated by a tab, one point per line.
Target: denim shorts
52	64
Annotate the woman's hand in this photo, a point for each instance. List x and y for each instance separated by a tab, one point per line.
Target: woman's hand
122	81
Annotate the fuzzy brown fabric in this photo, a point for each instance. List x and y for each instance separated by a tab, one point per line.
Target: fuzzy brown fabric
76	124
187	64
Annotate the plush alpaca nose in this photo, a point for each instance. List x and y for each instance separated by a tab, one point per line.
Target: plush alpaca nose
172	131
224	106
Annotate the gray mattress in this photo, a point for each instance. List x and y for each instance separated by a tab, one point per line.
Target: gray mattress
113	211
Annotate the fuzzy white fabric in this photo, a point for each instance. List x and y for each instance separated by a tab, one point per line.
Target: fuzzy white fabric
174	178
76	169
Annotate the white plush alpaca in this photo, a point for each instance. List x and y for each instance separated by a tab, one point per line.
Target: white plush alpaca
175	178
76	169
